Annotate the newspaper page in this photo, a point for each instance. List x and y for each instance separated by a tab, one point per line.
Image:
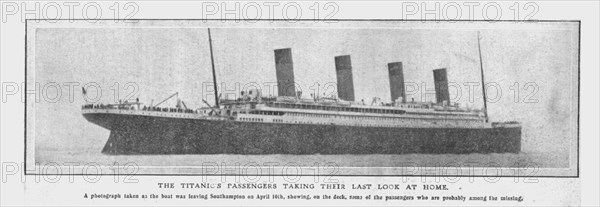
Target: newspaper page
235	103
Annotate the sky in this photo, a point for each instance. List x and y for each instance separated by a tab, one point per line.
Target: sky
531	67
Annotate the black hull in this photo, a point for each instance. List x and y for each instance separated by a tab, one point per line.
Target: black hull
132	134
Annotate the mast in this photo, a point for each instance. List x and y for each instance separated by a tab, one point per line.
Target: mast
482	80
212	62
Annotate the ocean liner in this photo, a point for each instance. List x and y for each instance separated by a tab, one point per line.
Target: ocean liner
292	124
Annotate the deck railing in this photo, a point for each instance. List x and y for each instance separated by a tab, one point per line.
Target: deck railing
136	107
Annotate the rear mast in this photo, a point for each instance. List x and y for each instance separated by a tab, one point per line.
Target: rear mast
482	80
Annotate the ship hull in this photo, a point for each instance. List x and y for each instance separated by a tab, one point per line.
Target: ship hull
134	134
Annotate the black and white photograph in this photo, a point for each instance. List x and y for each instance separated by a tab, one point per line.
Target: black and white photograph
368	97
299	103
